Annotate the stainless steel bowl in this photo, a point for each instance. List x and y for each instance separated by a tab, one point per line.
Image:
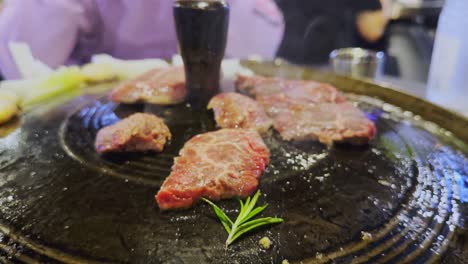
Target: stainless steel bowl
357	62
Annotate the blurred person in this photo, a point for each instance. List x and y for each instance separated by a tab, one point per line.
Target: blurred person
371	25
71	31
314	28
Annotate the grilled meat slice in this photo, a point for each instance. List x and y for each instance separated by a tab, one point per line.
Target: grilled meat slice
163	86
327	123
234	110
138	132
222	164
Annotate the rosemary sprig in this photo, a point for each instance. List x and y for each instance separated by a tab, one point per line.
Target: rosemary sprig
243	223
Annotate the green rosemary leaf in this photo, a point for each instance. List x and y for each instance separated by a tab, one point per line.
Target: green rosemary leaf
225	220
243	222
247	202
252	225
241	204
247	225
249	205
254	212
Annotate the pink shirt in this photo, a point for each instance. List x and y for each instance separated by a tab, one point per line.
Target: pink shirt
70	31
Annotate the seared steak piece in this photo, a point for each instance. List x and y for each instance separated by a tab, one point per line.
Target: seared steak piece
138	132
256	86
326	122
222	164
311	92
304	90
298	96
162	86
233	110
259	85
303	109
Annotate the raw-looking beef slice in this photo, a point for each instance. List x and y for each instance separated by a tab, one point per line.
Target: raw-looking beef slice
221	164
138	132
299	96
304	109
256	86
314	93
327	123
233	110
163	86
277	104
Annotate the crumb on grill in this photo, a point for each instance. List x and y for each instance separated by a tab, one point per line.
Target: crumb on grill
366	236
265	242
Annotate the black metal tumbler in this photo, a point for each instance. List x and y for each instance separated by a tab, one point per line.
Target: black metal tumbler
202	31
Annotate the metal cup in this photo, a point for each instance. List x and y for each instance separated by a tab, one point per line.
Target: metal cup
357	62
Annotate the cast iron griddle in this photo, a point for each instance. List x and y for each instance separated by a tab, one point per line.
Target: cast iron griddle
398	200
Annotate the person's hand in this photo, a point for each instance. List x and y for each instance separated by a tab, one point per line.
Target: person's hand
387	8
371	24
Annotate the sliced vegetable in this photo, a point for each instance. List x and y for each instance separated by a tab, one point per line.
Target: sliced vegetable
8	106
9	96
33	91
126	69
27	65
62	81
98	73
